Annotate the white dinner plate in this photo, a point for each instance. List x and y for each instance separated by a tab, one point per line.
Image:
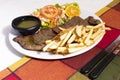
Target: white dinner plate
46	55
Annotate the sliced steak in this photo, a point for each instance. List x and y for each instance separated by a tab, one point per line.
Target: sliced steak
73	22
42	35
28	43
36	41
78	21
91	21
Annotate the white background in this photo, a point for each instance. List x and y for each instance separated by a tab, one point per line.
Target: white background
9	9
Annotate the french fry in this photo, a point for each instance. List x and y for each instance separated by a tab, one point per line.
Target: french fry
67	37
89	26
76	45
62	50
83	31
95	34
48	45
80	40
90	42
48	41
85	35
88	37
61	28
72	38
75	38
106	28
99	25
79	30
99	36
55	45
57	37
63	36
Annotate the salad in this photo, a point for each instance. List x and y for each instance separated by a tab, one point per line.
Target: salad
55	15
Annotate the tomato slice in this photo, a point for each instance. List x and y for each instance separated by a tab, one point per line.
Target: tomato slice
49	11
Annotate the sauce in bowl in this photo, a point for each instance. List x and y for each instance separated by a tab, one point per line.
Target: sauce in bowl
26	23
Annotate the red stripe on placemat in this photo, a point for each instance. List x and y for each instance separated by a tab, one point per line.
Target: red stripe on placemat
78	61
112	17
109	37
12	76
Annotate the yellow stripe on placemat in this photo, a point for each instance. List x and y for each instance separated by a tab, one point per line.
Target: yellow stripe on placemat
19	63
103	10
113	3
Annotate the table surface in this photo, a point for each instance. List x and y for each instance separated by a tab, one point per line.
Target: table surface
10	9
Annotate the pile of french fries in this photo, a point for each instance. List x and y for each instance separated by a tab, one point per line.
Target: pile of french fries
75	38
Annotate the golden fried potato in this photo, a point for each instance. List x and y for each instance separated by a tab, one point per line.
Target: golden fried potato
76	38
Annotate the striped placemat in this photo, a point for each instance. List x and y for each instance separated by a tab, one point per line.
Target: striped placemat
68	69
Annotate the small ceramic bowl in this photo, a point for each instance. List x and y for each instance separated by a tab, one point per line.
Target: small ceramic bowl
26	25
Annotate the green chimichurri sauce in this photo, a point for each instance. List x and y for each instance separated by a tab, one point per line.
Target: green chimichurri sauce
26	23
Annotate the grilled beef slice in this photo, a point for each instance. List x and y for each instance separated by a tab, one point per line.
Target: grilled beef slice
42	35
91	21
36	41
28	43
77	21
73	22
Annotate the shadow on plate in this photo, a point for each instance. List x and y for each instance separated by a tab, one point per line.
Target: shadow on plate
8	29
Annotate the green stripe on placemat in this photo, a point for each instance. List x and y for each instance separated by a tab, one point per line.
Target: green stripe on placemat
78	76
112	71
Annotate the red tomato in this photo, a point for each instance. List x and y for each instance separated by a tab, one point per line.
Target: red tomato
49	11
